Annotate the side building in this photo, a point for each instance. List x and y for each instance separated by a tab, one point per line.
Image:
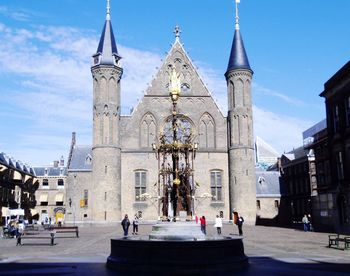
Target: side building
18	184
51	200
337	99
295	176
268	197
322	189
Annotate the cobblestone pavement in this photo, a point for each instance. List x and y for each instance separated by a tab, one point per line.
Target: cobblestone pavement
271	251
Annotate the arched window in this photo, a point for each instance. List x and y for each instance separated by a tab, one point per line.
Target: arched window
148	130
184	128
207	132
238	93
185	88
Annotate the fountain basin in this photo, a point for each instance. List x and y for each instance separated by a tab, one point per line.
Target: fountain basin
169	257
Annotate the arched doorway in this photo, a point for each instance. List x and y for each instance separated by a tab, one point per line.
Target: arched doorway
59	214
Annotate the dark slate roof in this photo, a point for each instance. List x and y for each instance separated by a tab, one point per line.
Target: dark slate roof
299	152
81	159
238	58
267	183
107	47
15	164
51	171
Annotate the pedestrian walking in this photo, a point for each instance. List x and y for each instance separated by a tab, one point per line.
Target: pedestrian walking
135	225
311	228
305	222
240	225
125	224
218	224
203	225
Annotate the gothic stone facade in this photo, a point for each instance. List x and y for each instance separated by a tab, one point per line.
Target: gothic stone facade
105	181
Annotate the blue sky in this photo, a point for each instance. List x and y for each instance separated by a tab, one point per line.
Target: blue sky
46	47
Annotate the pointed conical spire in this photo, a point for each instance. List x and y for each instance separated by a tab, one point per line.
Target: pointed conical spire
107	48
238	57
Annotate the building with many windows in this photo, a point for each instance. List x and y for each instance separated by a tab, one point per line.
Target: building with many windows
337	99
295	177
18	184
119	173
51	200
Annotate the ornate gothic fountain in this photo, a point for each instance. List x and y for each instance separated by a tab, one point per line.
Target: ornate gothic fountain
176	247
176	152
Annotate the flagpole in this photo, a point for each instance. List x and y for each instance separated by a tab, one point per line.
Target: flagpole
237	17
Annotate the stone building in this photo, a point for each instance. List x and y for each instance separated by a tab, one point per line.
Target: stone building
268	197
118	174
295	177
316	142
18	184
337	99
51	200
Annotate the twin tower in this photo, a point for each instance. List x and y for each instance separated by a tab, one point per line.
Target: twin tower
108	190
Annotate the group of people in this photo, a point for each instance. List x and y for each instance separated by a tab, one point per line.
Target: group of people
126	224
14	228
238	220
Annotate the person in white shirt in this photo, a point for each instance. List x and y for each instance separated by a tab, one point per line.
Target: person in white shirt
218	224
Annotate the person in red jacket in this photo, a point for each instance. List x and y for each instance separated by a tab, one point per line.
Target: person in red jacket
203	225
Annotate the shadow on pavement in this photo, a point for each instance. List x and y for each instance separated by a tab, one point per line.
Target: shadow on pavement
258	266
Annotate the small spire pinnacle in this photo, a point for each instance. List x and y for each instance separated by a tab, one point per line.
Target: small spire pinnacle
237	17
177	33
108	16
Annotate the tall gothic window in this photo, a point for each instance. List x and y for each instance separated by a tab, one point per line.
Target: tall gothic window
340	165
347	110
238	93
206	132
140	185
147	130
336	118
216	185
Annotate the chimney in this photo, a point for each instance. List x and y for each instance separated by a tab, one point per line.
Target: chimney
62	161
55	163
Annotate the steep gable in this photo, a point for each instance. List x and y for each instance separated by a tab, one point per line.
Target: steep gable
191	82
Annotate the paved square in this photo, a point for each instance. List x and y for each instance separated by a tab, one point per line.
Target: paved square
271	251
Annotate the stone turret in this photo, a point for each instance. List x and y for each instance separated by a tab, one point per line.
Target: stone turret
240	131
106	155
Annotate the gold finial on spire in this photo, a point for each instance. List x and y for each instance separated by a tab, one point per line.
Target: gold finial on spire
108	16
177	33
237	17
174	85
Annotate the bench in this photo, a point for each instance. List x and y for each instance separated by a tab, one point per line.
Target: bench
65	229
28	234
337	240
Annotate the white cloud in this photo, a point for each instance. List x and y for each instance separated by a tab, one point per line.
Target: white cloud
139	68
271	93
282	132
19	14
54	91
